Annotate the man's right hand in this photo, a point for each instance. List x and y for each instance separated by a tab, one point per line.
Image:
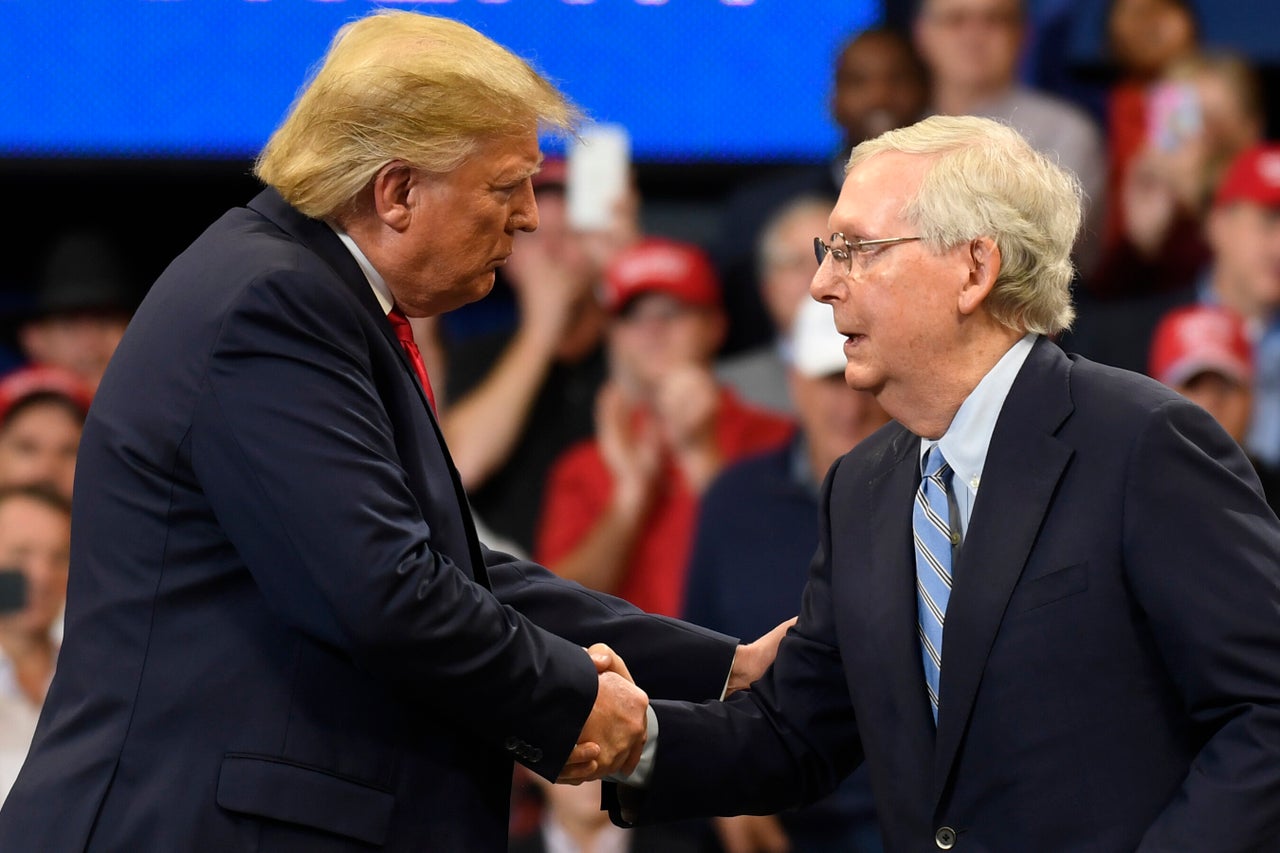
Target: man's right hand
616	729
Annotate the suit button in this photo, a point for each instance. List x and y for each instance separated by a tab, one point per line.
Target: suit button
535	755
512	743
945	838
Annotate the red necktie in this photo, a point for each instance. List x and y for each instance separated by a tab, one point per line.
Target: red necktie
404	332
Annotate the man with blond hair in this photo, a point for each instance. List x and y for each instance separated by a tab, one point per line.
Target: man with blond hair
282	633
1046	600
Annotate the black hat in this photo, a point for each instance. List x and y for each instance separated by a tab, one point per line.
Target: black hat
84	272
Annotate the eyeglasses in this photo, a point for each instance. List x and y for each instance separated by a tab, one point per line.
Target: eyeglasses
844	251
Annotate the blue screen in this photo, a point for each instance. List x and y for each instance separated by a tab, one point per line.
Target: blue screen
732	80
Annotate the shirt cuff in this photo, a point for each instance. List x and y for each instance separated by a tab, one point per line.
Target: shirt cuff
639	778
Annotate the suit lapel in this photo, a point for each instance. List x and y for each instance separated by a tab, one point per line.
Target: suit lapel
1024	464
890	601
322	240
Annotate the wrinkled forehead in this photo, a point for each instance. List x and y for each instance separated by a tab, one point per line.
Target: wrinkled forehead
875	194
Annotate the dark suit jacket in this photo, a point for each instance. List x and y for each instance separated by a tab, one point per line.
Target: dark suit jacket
282	634
1111	661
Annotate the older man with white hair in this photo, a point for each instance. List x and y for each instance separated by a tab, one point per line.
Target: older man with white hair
1045	601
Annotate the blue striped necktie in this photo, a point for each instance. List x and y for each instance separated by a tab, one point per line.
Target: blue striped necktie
932	531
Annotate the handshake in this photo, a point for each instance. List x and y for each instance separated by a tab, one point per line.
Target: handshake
613	737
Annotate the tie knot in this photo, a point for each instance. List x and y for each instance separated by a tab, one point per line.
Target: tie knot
400	323
936	466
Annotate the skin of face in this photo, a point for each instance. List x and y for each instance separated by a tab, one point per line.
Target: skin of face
972	45
38	444
36	539
877	88
1148	35
833	416
1229	402
81	343
656	334
898	308
789	265
442	236
1245	238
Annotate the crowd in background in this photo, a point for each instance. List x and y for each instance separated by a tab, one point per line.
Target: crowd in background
609	430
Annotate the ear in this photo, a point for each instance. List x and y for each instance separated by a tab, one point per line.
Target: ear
984	267
392	188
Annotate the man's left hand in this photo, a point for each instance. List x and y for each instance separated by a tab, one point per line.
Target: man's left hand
754	658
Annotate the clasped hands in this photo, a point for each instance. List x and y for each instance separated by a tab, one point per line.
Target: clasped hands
613	737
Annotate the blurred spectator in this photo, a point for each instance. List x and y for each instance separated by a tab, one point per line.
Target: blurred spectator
84	301
786	263
42	411
757	531
1146	38
620	508
35	538
972	49
1203	353
518	399
879	85
1244	233
1205	112
573	822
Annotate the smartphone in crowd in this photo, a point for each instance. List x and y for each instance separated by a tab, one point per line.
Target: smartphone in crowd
598	169
1174	115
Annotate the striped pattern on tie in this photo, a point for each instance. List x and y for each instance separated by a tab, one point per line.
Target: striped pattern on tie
931	530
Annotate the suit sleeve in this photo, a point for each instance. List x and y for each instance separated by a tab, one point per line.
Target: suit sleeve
669	659
788	740
295	453
1202	553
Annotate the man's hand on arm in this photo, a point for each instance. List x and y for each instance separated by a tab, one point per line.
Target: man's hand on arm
614	735
753	659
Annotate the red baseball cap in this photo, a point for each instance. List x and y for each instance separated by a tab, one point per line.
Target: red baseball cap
1201	339
659	265
43	379
1254	176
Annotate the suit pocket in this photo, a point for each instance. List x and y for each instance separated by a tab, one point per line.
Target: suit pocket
1046	589
272	788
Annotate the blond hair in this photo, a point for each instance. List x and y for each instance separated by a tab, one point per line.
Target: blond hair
985	180
397	85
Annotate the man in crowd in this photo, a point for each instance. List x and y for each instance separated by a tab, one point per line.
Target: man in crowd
1044	599
1244	233
784	259
878	84
281	629
519	399
972	49
1203	352
84	299
42	412
757	530
619	511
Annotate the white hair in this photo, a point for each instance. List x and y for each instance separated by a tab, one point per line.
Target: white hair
985	180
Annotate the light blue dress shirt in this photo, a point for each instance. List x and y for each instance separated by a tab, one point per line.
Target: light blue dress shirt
964	445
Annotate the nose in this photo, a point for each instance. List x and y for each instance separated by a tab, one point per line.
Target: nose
826	285
524	211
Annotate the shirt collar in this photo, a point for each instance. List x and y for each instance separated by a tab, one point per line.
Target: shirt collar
965	443
375	280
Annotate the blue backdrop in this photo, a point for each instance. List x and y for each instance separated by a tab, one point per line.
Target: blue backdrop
692	79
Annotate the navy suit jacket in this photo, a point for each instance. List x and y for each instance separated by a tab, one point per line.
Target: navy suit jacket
282	633
1111	661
